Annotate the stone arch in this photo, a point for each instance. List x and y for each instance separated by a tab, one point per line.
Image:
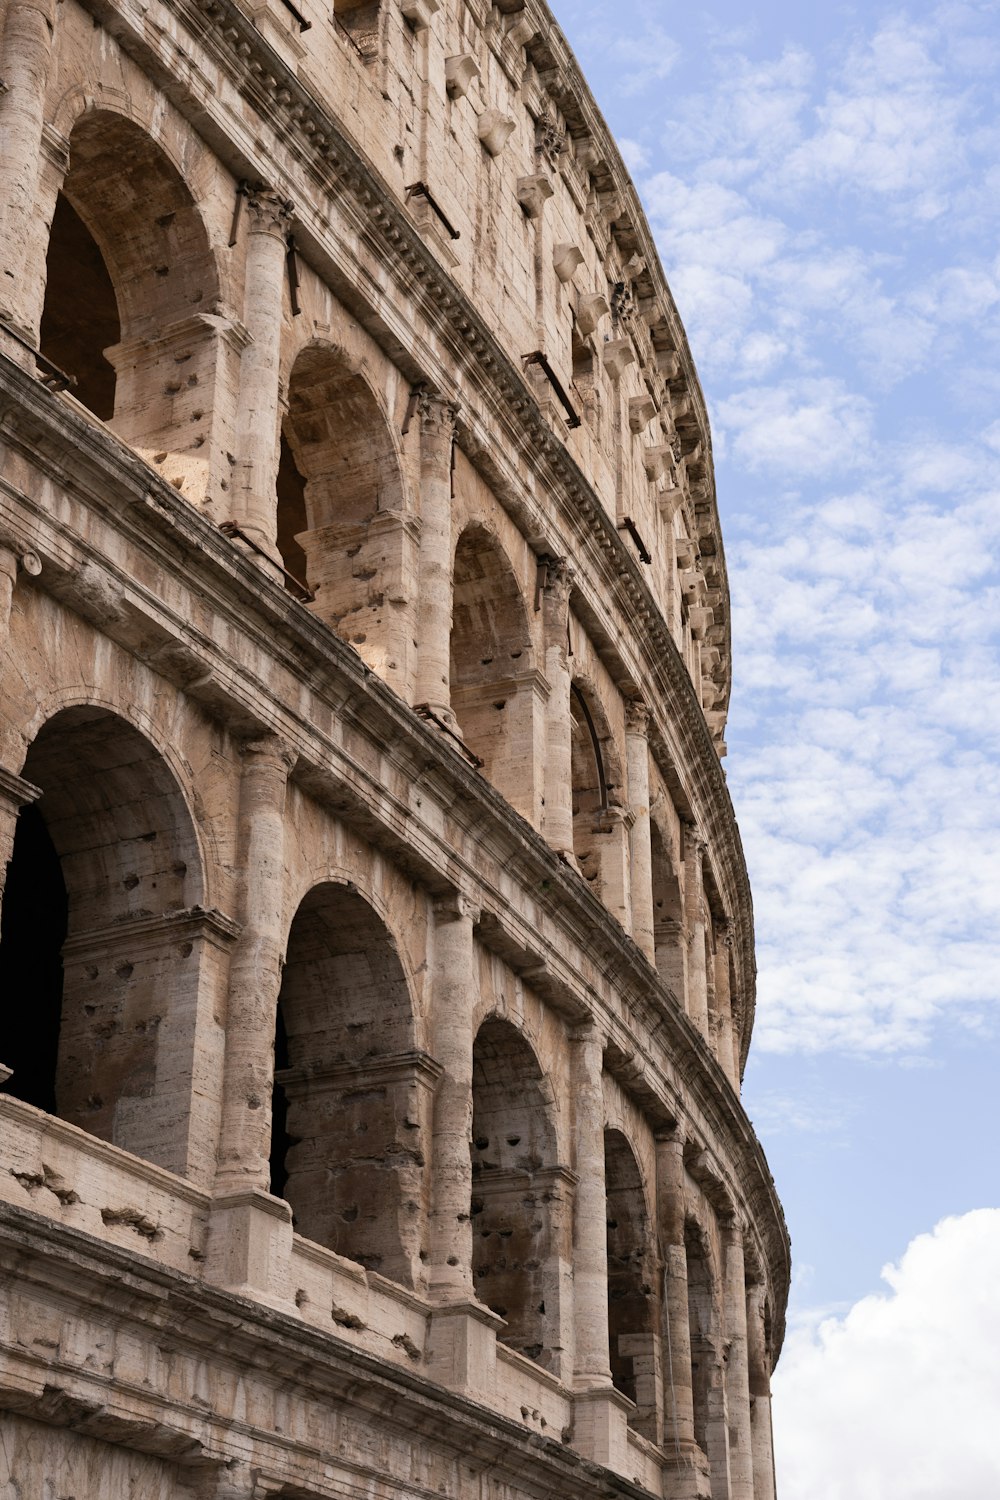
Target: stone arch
106	886
597	780
632	1301
520	1210
706	1353
341	525
669	946
132	294
492	680
351	1109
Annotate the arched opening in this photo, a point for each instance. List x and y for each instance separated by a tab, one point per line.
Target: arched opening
704	1351
350	1114
341	528
669	946
80	316
518	1226
131	280
590	781
99	984
491	689
600	822
292	523
631	1283
32	934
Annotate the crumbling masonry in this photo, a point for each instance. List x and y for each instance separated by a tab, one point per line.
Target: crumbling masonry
377	953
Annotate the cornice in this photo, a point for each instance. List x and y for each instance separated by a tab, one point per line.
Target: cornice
325	149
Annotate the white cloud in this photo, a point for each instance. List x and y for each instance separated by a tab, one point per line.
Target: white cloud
804	428
897	1400
892	128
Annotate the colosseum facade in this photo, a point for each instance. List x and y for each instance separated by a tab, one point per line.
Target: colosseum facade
377	953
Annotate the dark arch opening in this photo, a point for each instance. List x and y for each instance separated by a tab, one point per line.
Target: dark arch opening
631	1280
80	316
668	917
130	271
702	1325
350	1111
490	655
515	1251
292	523
109	848
594	780
33	930
340	504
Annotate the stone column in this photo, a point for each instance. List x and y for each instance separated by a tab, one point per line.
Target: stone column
255	505
557	819
685	1460
462	1334
600	1412
250	1231
255	973
590	1237
741	1478
694	914
759	1361
455	989
437	553
637	769
26	50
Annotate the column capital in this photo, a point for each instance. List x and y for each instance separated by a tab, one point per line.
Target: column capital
558	580
270	212
438	415
456	907
693	838
269	747
637	717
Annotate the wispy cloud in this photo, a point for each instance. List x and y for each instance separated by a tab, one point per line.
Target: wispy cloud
844	365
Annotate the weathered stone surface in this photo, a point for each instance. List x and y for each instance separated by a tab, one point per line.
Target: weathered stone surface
376	973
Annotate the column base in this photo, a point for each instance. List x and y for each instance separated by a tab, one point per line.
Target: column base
600	1426
462	1348
250	1246
688	1470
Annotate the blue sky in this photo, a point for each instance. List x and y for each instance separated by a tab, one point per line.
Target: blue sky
824	187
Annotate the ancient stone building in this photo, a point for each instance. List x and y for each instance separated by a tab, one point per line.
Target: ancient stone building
377	952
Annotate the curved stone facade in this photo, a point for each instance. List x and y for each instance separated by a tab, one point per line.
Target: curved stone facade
377	955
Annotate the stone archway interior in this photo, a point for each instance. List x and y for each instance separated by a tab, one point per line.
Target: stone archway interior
352	1099
515	1247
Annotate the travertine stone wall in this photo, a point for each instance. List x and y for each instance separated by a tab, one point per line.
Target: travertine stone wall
376	971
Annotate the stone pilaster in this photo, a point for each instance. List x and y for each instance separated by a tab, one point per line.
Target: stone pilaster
255	973
557	820
268	217
455	987
26	51
685	1461
437	554
741	1478
759	1363
640	844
